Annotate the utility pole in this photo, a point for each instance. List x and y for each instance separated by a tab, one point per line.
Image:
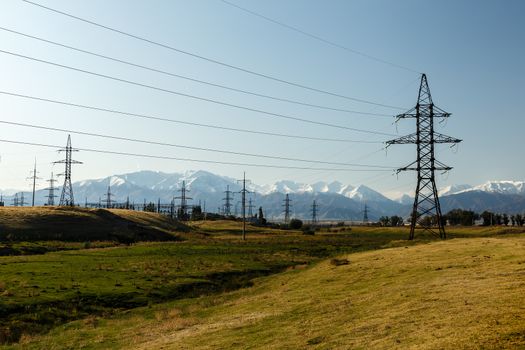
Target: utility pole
426	201
287	205
314	212
15	202
66	198
34	178
243	202
227	201
51	191
183	200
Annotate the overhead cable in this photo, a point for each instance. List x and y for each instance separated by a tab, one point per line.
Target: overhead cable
160	71
205	99
164	119
318	38
211	60
158	143
142	155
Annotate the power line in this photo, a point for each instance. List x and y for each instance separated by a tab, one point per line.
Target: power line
144	116
318	38
158	143
190	159
343	110
156	88
165	46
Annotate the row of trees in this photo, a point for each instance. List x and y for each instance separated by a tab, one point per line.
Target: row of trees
462	217
468	218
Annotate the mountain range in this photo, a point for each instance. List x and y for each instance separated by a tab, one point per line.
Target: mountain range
334	200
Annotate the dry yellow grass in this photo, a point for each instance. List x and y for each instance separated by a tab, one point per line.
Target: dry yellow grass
459	294
81	224
456	294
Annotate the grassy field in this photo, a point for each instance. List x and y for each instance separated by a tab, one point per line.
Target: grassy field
457	294
80	225
157	294
39	292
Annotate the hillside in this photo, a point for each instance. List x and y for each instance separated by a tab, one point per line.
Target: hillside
81	225
457	294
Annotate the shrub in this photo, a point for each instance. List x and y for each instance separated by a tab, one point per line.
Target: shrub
296	224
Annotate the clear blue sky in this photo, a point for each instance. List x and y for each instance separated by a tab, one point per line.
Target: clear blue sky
472	52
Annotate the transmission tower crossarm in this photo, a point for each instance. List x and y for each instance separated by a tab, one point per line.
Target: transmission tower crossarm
408	139
440	138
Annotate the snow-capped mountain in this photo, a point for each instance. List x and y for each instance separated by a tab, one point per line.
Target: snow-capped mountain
501	187
453	189
288	186
335	199
365	194
405	199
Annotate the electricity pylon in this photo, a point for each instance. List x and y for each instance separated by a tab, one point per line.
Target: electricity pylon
109	195
314	212
183	201
34	178
365	215
426	201
250	208
51	191
287	205
227	201
66	198
243	202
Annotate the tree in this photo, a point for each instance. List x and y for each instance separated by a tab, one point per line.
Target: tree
262	220
505	220
384	221
296	224
519	220
487	217
196	213
461	217
150	207
396	220
498	219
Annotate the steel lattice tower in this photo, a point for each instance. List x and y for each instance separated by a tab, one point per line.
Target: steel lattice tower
426	201
227	201
314	212
183	200
287	204
51	194
109	195
66	198
34	178
250	208
365	214
243	202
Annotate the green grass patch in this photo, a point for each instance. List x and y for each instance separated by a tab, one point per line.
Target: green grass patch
457	294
